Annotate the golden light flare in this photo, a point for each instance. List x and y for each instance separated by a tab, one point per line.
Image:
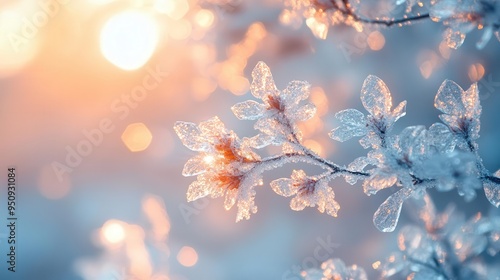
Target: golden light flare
319	29
113	231
376	264
476	72
187	256
137	137
426	69
129	39
204	18
230	73
375	40
155	210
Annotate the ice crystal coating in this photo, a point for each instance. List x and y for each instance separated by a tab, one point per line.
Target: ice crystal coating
223	165
444	156
465	15
461	110
386	217
308	192
448	247
277	115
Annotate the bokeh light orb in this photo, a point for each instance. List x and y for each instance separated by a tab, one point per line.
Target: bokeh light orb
129	39
137	137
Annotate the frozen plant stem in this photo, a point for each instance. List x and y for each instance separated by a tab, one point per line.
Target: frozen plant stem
347	10
443	156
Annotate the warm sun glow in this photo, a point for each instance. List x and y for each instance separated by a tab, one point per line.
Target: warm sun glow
187	256
209	159
137	137
113	232
129	39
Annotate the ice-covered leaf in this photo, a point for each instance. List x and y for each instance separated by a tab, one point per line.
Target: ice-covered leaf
191	136
248	110
263	83
441	137
454	38
259	141
283	187
448	99
461	109
492	189
353	124
386	217
305	112
296	91
379	180
196	165
198	189
375	96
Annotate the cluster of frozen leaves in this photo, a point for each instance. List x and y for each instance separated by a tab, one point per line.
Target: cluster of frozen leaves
441	246
463	16
446	246
443	156
458	16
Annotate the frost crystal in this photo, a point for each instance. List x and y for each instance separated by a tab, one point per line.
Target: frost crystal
222	166
465	15
387	215
461	110
308	191
280	109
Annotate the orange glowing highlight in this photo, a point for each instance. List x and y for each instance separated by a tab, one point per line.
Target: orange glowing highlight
187	256
113	231
137	137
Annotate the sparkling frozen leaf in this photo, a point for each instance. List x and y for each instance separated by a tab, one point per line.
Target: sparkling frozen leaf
492	189
263	83
386	217
230	198
399	111
353	124
198	189
375	96
454	38
305	112
195	165
248	110
191	136
379	180
212	128
283	187
441	137
259	141
448	99
296	91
